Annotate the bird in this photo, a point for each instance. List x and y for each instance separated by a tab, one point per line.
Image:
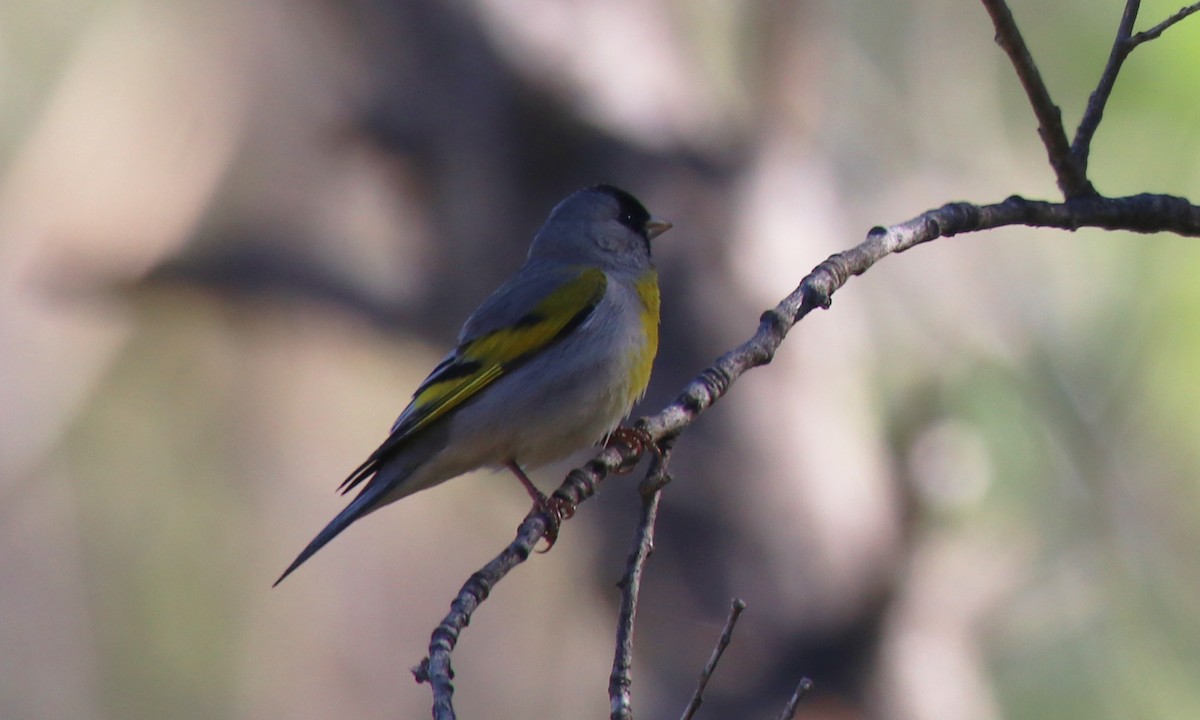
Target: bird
550	363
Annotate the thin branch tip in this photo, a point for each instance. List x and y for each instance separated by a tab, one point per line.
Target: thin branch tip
802	689
735	610
1154	32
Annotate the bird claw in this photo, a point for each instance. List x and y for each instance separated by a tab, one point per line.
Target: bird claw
555	509
638	440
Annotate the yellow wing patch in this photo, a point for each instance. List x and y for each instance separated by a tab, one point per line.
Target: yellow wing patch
482	360
478	362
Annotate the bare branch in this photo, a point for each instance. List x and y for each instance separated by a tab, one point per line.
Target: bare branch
621	679
789	710
735	611
1144	213
1137	213
1083	207
1070	175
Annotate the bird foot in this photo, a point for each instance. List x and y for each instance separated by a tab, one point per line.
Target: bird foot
556	510
638	440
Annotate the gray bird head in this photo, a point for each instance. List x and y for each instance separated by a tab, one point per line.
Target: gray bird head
600	225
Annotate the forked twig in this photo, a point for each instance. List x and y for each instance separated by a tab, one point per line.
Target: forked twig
1070	175
1070	161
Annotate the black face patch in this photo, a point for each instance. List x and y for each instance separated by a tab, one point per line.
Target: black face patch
630	212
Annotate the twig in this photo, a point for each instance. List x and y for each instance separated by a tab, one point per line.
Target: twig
1146	213
1081	147
789	710
1070	175
1122	46
1154	32
621	679
735	611
435	669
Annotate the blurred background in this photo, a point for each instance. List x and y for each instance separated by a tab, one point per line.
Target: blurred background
234	236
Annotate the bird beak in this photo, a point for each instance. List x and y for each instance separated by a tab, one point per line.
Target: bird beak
656	226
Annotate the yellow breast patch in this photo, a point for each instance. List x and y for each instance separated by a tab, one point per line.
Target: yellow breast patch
642	358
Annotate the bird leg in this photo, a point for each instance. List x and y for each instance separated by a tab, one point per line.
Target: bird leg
554	508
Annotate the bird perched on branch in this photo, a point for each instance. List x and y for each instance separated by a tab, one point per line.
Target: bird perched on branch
550	363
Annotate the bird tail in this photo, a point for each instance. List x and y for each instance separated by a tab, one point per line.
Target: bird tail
397	469
372	497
